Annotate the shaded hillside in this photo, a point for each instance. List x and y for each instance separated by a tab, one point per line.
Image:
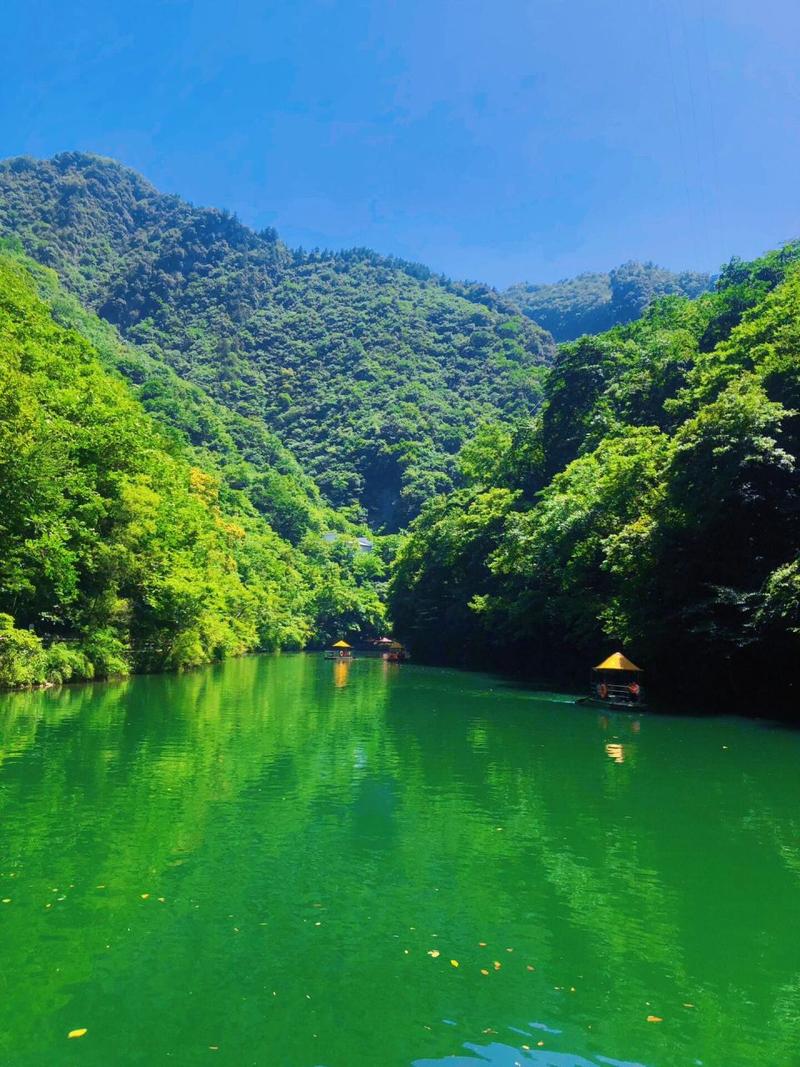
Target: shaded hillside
372	371
653	503
594	303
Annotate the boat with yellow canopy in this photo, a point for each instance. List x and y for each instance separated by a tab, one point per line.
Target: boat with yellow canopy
616	683
339	650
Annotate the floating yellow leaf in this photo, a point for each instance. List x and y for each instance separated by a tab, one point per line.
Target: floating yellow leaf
482	944
688	1005
483	971
654	1019
530	968
434	953
540	1044
454	963
144	896
6	900
497	965
77	1033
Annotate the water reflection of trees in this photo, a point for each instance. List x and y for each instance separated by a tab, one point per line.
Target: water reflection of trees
410	799
122	782
617	849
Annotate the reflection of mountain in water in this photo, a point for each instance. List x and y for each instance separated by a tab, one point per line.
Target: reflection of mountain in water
339	845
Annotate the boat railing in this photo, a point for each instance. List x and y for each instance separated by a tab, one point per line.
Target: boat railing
620	693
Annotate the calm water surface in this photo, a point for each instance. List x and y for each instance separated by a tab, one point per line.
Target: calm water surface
275	862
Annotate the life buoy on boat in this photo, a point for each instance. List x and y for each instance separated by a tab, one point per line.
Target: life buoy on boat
602	690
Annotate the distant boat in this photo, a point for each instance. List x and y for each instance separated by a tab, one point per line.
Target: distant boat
397	653
341	650
616	683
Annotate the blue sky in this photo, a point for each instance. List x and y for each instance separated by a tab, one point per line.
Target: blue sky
498	140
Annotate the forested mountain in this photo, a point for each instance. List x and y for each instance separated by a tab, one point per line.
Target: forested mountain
373	372
654	502
135	540
594	303
169	465
242	453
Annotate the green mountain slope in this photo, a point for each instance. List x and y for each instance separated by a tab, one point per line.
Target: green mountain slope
594	303
124	546
373	372
244	455
654	502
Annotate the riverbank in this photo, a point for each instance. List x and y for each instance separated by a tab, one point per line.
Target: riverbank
777	702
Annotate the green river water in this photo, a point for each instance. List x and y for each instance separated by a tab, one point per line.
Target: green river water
275	861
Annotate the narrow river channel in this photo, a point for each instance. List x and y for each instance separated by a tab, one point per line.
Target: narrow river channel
288	861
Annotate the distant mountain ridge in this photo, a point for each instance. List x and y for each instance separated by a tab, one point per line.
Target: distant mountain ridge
372	371
594	303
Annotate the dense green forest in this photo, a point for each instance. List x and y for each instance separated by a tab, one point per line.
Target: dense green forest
653	502
135	540
190	409
371	371
594	303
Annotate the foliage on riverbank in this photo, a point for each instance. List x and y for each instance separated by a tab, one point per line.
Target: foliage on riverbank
655	502
122	545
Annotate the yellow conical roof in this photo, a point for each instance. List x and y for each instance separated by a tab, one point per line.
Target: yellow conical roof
617	662
342	644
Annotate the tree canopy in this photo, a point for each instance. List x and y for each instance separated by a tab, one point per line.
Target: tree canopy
653	502
593	303
122	545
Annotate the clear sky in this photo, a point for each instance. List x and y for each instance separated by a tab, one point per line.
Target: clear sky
499	140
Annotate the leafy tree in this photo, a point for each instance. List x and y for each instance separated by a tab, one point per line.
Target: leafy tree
657	500
122	545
